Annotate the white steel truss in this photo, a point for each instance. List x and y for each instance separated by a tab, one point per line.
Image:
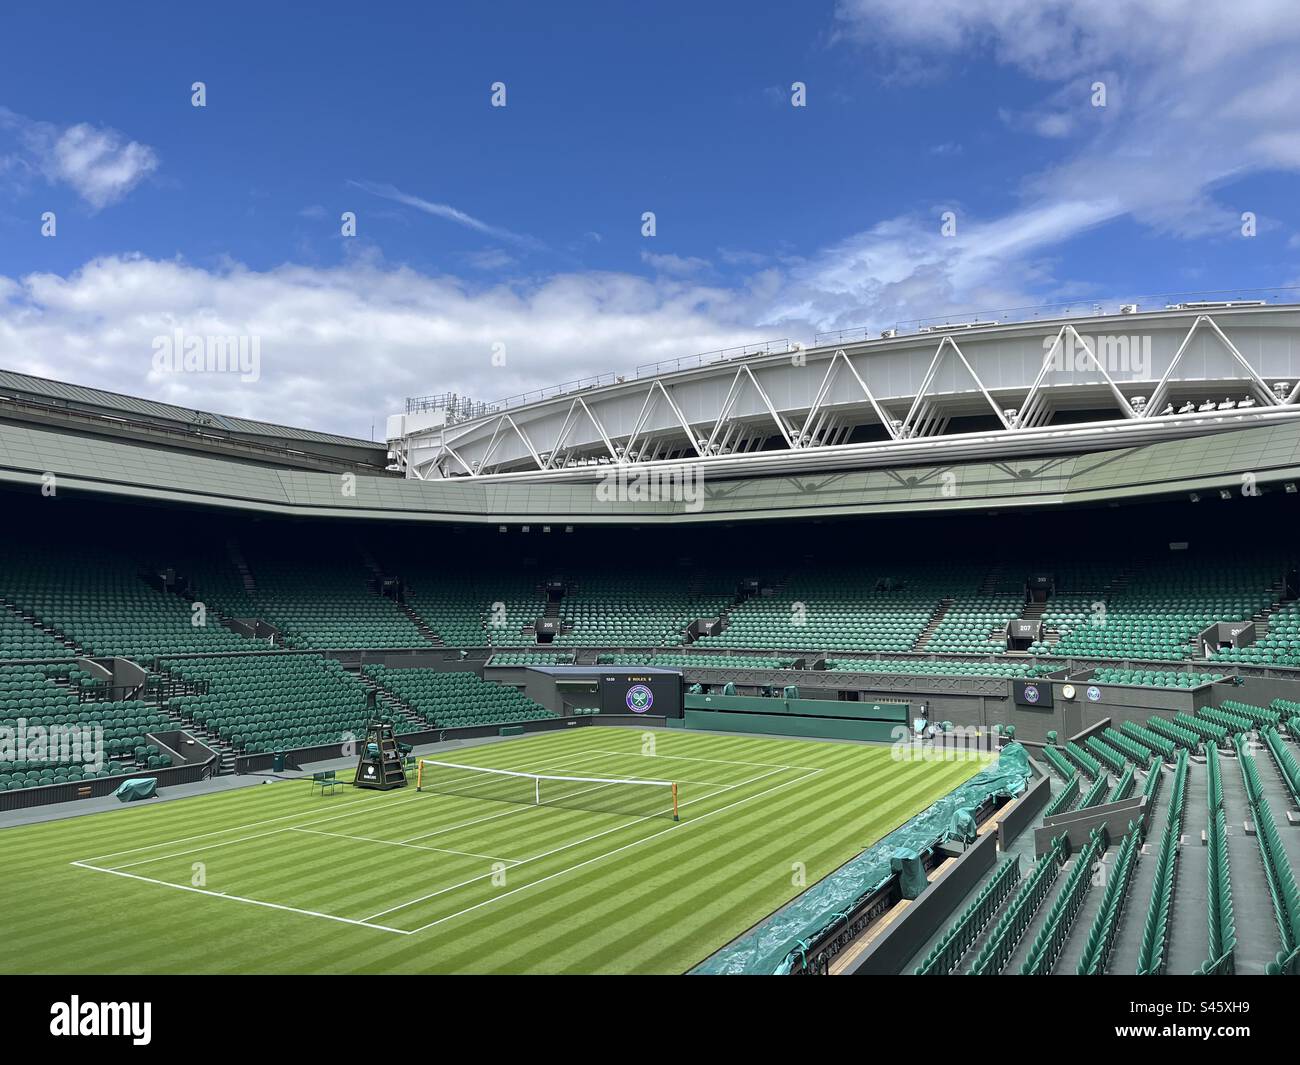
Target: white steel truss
1034	411
648	408
1161	392
932	421
834	408
570	420
728	404
493	443
823	390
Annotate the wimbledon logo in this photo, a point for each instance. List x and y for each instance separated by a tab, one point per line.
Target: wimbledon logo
639	699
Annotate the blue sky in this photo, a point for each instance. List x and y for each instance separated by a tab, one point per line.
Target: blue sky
521	226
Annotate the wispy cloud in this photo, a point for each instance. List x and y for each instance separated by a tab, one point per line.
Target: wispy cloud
448	213
96	162
674	264
490	259
1197	97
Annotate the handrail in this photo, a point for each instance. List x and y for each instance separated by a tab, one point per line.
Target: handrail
1036	312
462	409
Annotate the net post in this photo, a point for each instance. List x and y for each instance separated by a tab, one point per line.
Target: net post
419	773
674	800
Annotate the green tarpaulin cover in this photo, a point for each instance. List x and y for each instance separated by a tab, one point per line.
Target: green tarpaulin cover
773	945
963	826
911	872
136	788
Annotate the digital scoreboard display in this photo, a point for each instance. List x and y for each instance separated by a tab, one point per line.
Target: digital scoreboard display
641	694
1033	693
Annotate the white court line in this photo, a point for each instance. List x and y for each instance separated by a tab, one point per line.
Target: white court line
719	761
374	807
564	847
398	843
607	854
678	780
524	808
517	808
466	824
241	898
369	922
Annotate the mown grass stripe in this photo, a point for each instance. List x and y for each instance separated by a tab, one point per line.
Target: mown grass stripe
655	906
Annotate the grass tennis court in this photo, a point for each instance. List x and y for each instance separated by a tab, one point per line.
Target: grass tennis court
274	878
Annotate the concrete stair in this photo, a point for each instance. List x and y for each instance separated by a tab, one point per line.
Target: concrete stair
236	555
940	610
36	623
407	710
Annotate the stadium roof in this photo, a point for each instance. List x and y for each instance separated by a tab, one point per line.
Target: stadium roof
46	400
959	393
1269	454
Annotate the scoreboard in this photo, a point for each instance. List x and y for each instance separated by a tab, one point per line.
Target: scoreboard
652	694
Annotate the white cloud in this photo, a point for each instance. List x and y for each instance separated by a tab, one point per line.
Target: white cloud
98	163
342	347
1198	95
904	269
1059	39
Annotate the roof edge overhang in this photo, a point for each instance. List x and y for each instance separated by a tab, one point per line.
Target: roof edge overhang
1265	456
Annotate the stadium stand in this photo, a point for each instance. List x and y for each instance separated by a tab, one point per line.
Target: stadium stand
531	658
1011	926
650	607
1153	678
1280	643
260	703
1157	613
1277	867
697	661
1101	934
20	639
1051	939
1155	931
465	608
453	699
50	696
1221	923
841	607
947	953
939	667
100	600
315	602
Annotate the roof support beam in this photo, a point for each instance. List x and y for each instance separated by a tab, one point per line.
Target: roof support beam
1034	412
928	380
1161	392
823	390
648	407
570	419
733	394
523	437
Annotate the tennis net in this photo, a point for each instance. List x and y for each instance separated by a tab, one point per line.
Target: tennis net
633	798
